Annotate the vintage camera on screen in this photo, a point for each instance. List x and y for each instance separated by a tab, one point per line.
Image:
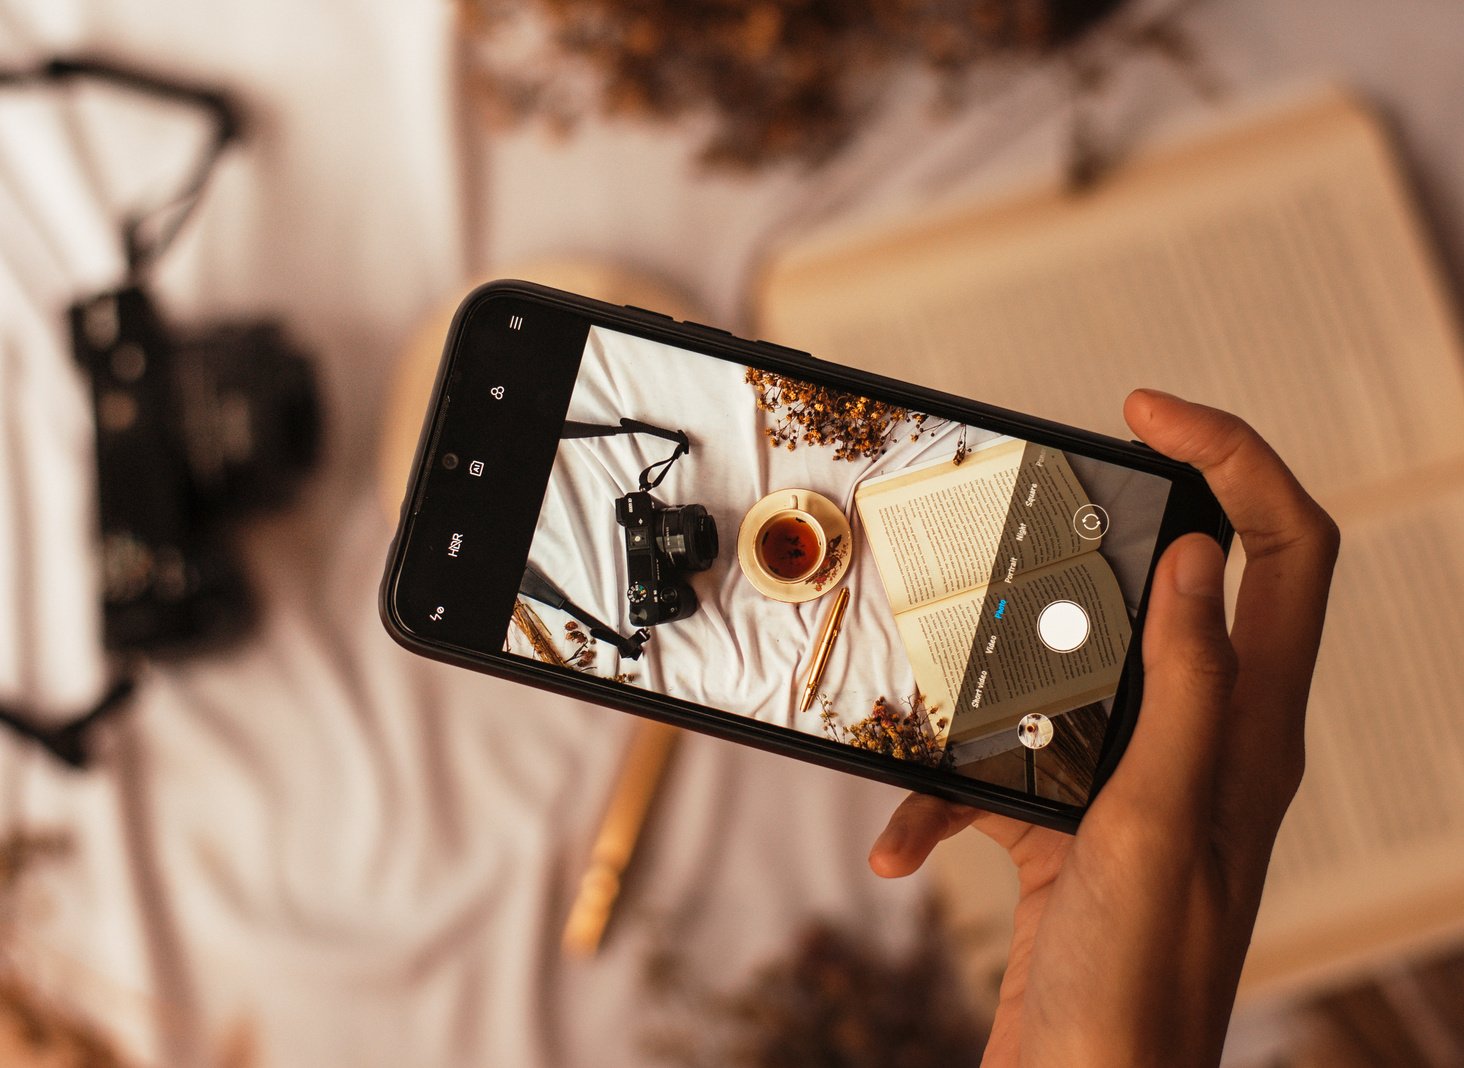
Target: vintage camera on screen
662	544
193	430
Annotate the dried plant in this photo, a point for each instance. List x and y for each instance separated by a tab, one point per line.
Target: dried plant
833	557
836	1001
584	648
912	735
33	1028
810	414
18	851
35	1032
962	449
780	80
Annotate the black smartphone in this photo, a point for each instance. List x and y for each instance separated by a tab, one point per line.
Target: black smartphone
740	539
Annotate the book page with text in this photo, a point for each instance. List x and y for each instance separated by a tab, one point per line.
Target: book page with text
1373	848
943	528
1017	674
1277	270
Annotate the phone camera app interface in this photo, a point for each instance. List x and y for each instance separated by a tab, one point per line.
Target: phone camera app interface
875	576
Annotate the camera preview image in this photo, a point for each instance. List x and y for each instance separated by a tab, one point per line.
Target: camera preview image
991	582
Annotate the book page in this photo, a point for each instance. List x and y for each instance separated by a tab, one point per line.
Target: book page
1011	673
947	528
1372	852
1276	270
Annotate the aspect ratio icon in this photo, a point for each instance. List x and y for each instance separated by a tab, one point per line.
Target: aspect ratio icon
1091	522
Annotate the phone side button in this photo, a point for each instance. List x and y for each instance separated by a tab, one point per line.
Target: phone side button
646	310
784	350
708	329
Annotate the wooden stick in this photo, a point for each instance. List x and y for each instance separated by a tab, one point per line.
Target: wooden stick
625	816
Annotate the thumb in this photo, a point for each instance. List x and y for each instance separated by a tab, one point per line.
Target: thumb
1189	673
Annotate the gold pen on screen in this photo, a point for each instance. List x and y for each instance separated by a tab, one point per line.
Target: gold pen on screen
823	648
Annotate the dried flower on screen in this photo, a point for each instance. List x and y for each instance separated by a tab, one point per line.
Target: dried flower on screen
809	414
914	734
833	558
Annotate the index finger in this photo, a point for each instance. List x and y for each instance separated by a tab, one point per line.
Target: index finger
1270	510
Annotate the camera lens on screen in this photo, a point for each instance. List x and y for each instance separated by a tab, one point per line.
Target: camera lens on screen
688	535
450	460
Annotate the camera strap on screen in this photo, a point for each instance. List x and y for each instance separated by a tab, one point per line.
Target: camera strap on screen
573	429
539	588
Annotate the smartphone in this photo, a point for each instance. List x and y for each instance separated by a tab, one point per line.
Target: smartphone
738	538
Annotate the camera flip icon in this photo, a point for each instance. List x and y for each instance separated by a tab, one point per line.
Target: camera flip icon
1091	522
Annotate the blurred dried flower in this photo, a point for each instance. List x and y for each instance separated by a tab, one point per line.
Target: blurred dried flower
34	1029
836	1001
40	1032
781	80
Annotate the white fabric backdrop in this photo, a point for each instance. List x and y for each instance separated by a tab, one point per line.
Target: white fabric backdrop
364	856
356	856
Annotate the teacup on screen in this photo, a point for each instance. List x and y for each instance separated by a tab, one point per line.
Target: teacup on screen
790	544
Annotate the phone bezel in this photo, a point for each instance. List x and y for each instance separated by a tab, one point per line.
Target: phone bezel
1190	507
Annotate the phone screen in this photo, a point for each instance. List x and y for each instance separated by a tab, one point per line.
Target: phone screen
701	519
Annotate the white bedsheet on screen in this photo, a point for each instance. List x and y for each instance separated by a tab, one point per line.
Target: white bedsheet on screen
743	651
740	650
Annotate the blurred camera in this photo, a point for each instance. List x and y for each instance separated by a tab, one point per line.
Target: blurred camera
193	429
662	544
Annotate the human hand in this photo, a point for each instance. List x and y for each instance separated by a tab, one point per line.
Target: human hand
1130	936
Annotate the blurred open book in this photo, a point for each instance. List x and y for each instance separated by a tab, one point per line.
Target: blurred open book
1277	269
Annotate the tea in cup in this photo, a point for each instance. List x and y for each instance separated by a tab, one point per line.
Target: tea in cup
790	544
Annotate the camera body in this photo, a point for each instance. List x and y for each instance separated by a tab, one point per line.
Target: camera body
192	430
663	543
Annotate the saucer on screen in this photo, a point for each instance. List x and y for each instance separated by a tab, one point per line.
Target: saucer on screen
840	546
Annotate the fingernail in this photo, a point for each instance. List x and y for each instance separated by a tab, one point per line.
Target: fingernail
1200	569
